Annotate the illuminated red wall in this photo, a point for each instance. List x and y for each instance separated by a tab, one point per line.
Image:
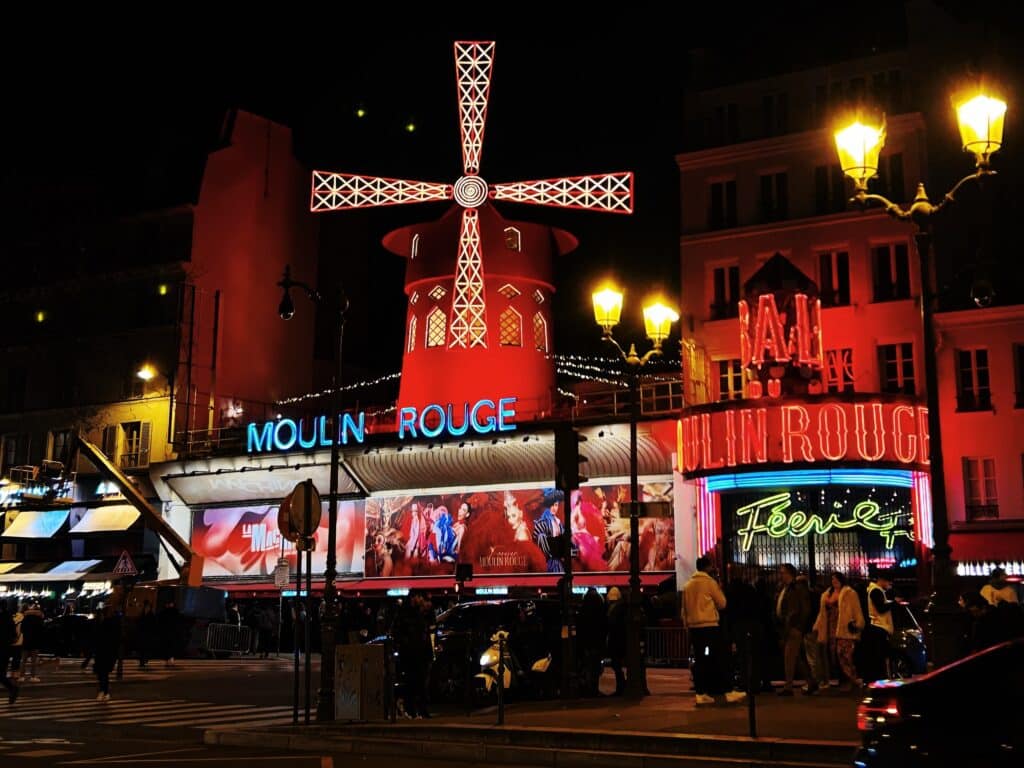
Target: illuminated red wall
442	375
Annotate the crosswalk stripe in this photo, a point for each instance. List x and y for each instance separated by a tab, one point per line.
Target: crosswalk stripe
57	712
68	715
208	710
105	708
256	724
215	719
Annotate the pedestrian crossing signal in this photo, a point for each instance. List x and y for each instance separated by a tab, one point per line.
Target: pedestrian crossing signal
125	565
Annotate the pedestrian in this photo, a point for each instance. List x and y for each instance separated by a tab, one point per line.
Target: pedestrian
416	654
169	626
820	641
617	638
878	633
7	635
702	600
107	645
265	625
998	590
146	634
745	632
591	633
992	624
17	645
847	630
792	611
89	639
32	632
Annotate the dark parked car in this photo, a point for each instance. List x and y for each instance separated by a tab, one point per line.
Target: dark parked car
909	654
967	713
463	636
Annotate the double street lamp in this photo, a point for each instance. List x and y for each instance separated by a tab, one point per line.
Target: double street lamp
338	305
858	145
658	319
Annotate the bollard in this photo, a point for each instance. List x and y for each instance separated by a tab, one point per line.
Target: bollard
751	689
501	679
389	679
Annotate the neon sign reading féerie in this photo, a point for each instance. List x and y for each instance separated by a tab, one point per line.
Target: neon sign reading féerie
894	431
769	515
432	421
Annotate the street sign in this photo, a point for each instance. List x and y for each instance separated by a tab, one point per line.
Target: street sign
282	575
284	519
305	499
125	565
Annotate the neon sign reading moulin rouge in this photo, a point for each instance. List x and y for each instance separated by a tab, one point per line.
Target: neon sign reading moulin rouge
779	524
481	417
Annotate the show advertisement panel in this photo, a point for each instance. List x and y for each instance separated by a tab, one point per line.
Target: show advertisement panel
246	542
513	531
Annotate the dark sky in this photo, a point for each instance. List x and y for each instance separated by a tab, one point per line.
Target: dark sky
115	121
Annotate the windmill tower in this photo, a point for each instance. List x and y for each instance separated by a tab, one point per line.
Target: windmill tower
479	287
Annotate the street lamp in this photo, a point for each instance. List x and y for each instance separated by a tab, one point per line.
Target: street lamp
658	319
328	627
146	372
858	146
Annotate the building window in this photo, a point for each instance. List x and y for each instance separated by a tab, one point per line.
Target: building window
891	272
889	181
509	291
722	212
726	292
896	368
414	297
411	344
513	239
17	387
980	500
834	278
829	190
435	328
437	293
538	296
134	444
727	123
133	387
415	250
774	196
730	380
972	381
59	446
775	113
15	453
839	370
540	333
510	328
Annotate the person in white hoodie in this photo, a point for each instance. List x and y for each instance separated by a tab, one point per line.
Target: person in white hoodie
702	600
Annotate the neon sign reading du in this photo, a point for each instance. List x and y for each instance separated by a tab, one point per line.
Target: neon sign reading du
432	421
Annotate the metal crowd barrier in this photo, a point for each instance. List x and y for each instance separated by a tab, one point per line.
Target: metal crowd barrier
228	638
667	647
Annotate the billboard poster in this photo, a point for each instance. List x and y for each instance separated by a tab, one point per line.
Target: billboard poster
511	531
245	541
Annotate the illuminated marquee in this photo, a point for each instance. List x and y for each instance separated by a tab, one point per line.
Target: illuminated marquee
768	342
806	432
772	516
481	417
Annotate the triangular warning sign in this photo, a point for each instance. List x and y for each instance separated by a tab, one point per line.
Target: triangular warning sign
125	565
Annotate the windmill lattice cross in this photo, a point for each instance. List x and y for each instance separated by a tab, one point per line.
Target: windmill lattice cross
608	192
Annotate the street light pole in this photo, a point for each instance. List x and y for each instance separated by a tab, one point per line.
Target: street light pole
328	625
658	321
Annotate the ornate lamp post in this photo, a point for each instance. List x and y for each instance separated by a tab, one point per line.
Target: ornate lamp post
328	626
658	319
858	146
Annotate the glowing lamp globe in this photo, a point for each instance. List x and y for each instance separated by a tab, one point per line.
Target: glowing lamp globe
147	372
858	146
981	125
658	321
607	307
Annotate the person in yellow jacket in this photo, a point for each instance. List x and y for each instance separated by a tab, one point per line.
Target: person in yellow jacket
702	600
998	590
849	625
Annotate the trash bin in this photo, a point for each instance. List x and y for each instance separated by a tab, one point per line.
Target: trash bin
359	684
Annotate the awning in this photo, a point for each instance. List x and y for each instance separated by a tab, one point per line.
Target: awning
36	525
5	567
987	546
69	570
119	517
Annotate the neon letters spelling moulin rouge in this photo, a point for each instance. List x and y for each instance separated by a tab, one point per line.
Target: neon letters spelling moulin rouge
432	421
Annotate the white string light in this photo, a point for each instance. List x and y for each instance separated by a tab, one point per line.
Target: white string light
345	388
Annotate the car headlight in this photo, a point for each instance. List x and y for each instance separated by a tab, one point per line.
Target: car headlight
489	658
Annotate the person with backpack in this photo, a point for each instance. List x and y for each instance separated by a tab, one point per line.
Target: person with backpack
7	633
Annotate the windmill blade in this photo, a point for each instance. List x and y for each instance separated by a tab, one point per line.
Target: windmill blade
611	192
468	327
473	64
340	191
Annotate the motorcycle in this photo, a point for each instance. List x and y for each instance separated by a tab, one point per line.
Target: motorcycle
499	661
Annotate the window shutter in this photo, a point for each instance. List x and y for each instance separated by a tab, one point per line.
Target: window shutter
144	436
110	435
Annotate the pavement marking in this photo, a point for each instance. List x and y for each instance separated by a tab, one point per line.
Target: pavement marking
160	719
119	758
231	719
41	753
289	760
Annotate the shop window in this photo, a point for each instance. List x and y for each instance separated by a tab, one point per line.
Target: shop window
891	272
510	328
980	499
722	211
509	291
411	344
730	380
896	368
839	370
513	239
437	293
435	328
972	380
774	196
540	333
834	278
725	286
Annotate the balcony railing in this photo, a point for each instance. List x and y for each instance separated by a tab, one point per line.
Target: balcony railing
981	512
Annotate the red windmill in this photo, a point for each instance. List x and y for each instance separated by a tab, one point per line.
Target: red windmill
478	285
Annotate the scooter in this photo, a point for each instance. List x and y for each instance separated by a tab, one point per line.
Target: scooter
512	675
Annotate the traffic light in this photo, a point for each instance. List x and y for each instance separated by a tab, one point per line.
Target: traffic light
568	459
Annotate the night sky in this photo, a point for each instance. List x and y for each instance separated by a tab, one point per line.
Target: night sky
125	127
